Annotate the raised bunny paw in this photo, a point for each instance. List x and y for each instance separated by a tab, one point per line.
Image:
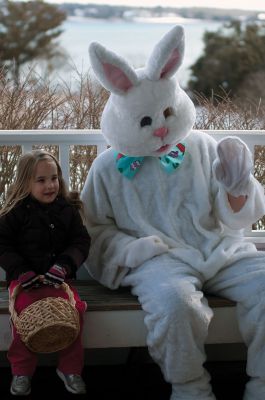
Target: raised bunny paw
233	166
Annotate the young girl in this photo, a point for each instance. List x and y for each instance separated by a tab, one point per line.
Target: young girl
42	243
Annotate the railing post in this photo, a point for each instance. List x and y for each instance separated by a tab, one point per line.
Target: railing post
64	162
26	148
101	147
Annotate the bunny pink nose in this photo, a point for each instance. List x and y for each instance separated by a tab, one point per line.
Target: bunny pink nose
161	132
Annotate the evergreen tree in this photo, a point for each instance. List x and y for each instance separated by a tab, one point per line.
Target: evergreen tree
27	32
231	55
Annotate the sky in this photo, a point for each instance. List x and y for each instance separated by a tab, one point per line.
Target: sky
237	4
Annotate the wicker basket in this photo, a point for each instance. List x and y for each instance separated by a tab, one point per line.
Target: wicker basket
47	325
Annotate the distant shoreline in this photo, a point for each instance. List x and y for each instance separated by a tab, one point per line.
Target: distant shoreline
160	14
144	20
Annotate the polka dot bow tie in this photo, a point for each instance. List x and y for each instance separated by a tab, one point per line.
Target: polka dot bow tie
129	166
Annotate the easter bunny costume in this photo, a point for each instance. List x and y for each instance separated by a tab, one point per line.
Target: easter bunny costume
161	220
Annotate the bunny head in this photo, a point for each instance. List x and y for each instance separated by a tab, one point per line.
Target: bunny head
147	112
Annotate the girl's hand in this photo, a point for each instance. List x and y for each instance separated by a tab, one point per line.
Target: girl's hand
55	276
28	280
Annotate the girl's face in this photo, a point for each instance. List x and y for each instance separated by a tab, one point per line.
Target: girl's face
44	185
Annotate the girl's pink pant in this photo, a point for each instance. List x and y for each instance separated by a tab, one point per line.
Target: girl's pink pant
22	360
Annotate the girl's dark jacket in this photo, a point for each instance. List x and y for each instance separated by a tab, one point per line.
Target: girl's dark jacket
33	237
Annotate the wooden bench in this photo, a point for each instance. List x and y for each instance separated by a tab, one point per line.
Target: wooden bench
114	318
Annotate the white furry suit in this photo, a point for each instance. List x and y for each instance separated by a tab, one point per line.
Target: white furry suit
173	237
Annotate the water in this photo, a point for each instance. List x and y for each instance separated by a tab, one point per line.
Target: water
132	40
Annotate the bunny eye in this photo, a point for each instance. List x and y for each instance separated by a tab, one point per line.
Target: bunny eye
146	121
168	112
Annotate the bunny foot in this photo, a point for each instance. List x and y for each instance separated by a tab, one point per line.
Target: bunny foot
255	389
198	389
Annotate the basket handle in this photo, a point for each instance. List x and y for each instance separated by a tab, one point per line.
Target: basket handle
18	289
69	292
12	300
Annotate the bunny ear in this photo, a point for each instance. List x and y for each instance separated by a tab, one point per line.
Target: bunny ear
167	55
114	73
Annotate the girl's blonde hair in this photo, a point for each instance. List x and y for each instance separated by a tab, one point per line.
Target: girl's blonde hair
25	172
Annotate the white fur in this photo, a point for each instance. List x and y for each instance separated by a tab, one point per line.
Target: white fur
233	166
149	95
188	210
170	236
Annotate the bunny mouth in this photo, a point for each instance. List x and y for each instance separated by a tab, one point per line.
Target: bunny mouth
163	148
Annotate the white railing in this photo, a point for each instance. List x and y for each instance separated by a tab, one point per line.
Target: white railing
61	138
66	138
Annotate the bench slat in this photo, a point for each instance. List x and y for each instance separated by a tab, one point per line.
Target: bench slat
100	298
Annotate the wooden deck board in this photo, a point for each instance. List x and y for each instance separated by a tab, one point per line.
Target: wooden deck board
100	298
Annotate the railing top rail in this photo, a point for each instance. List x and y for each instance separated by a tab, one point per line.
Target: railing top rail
94	136
48	131
73	136
234	131
249	136
96	131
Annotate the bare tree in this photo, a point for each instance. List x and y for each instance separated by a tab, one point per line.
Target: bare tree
27	32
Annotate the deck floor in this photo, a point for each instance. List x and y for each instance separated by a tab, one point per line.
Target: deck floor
127	382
